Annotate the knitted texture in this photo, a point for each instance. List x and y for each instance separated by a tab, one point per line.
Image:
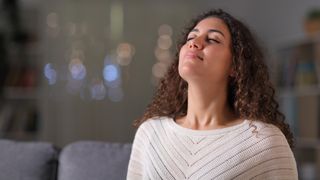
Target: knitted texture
163	149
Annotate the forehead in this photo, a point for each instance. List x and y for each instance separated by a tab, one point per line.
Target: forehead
213	23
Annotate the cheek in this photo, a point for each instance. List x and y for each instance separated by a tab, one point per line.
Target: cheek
221	58
229	61
181	53
180	66
220	65
183	68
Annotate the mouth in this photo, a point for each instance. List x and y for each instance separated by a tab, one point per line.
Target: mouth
193	55
201	58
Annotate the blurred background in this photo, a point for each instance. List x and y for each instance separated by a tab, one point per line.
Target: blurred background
85	70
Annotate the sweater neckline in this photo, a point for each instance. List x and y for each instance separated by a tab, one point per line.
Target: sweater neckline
178	128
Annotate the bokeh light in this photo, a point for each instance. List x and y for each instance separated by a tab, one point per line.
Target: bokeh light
163	55
115	94
52	20
77	69
159	69
164	42
125	52
98	90
165	29
110	72
71	28
50	73
116	20
113	84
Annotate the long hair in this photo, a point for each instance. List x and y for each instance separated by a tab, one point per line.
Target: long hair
250	92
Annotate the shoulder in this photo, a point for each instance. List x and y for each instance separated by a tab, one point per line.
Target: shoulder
152	125
269	133
155	121
271	151
269	139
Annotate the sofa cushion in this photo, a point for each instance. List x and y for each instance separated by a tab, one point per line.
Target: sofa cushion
94	160
27	160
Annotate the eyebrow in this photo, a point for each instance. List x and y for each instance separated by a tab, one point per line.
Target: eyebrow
210	31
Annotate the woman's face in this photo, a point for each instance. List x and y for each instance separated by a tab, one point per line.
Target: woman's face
206	56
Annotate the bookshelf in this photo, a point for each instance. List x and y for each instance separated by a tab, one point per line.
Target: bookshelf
297	79
19	113
19	73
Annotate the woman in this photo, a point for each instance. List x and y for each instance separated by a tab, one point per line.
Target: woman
214	115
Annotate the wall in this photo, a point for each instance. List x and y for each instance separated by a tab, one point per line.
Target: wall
67	118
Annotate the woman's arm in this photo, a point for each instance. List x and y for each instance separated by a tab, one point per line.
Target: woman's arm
135	167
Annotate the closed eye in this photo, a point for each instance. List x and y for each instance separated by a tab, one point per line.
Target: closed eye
208	40
190	38
212	40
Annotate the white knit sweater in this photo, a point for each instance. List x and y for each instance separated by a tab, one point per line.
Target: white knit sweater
163	149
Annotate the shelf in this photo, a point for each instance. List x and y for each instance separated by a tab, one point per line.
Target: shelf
20	93
308	143
297	77
313	90
300	40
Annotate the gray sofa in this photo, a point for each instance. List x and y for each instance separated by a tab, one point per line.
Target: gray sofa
84	160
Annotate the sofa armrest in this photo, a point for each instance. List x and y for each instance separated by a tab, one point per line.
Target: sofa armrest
27	160
94	160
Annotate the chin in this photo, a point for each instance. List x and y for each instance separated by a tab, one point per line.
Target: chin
187	74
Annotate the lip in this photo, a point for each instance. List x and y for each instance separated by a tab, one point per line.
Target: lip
193	55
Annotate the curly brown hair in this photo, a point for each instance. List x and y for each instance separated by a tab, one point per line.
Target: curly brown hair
250	92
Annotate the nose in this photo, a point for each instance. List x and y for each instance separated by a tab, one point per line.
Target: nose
194	43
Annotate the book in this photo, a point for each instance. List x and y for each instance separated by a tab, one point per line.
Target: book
317	60
287	68
305	68
299	65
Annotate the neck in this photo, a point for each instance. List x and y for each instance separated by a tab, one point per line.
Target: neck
208	108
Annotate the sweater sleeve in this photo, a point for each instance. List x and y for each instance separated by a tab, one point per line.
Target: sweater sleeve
135	168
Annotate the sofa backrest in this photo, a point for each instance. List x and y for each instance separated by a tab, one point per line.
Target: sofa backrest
94	160
27	160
